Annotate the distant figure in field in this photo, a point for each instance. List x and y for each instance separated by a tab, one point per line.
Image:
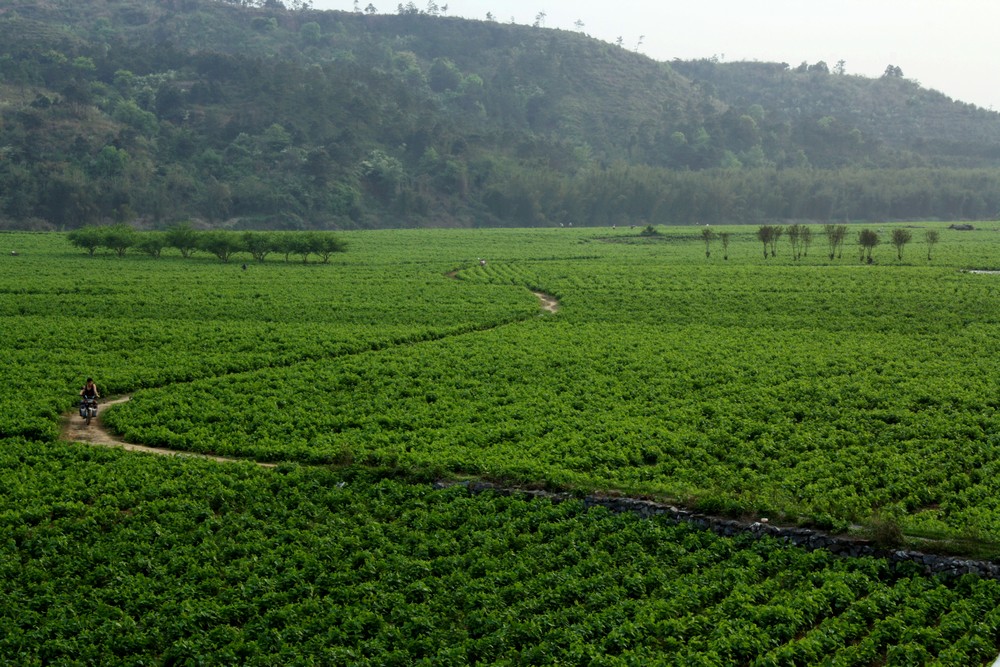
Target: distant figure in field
244	267
13	253
90	390
482	262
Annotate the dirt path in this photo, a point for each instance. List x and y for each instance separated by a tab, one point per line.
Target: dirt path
549	303
76	430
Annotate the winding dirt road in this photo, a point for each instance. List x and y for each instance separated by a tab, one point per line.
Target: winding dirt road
77	430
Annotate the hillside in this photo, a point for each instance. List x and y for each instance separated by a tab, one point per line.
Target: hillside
921	125
155	111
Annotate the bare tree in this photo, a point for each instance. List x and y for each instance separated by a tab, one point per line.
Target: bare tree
775	236
807	239
841	237
708	235
794	238
831	239
835	235
900	237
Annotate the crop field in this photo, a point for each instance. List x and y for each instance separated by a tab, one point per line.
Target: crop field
825	392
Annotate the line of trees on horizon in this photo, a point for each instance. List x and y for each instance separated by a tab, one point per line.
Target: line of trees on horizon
800	238
223	244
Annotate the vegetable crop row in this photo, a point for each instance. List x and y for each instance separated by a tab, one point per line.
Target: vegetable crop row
122	559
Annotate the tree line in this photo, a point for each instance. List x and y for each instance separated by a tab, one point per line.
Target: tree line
628	194
119	239
800	238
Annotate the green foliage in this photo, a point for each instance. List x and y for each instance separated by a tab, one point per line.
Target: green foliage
262	117
259	245
311	32
803	388
183	237
864	407
444	76
116	558
931	238
900	237
118	238
326	245
222	244
868	239
88	238
151	243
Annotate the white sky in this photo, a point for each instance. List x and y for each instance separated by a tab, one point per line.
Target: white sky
948	46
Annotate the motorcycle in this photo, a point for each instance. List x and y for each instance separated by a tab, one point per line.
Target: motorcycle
88	409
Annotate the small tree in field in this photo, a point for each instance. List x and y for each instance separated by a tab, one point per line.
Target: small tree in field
325	244
931	237
183	237
795	239
222	244
301	244
88	238
151	243
258	244
764	234
724	237
119	238
867	239
835	235
900	237
807	238
775	236
708	235
282	243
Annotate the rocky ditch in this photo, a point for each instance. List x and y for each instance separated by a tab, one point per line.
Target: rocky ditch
844	546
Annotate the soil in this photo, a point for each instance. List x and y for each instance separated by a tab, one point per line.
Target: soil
549	303
96	433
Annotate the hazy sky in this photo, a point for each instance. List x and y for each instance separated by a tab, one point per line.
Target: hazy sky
948	46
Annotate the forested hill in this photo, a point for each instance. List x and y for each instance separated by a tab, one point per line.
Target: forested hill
153	111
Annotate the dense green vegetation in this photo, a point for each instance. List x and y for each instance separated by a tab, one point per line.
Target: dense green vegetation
822	390
253	117
223	244
117	559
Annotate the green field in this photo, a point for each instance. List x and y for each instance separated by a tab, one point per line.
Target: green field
831	393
